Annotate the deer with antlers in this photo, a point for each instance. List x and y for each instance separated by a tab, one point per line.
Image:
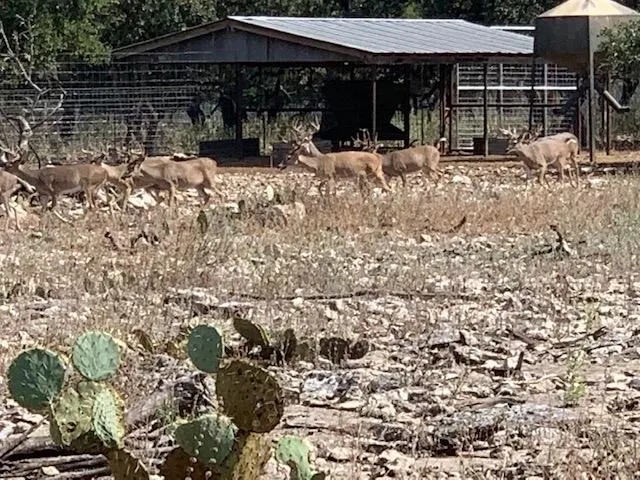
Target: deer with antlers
51	181
424	158
562	146
356	165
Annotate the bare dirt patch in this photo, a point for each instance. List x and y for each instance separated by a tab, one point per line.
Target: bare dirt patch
490	357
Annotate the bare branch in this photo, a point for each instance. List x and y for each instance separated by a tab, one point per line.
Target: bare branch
15	58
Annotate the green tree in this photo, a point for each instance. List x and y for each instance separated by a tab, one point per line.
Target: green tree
620	49
57	28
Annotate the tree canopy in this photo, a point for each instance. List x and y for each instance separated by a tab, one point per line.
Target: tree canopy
88	29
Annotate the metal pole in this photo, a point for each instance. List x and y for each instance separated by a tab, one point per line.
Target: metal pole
238	100
532	98
374	101
545	98
451	107
407	107
607	111
443	106
500	94
592	120
485	109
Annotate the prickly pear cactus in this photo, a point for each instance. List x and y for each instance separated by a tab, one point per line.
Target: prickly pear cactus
36	377
71	423
251	331
107	416
251	396
205	348
180	465
294	452
248	458
96	355
209	438
125	466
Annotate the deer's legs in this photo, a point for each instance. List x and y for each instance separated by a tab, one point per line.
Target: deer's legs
204	195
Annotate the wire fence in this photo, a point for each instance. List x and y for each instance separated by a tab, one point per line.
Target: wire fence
172	107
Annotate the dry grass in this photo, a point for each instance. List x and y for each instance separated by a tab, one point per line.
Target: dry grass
58	280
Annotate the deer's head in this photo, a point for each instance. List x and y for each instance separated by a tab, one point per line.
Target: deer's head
301	141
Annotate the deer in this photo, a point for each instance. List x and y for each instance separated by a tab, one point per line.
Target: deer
569	138
55	180
10	184
541	154
170	175
121	175
425	158
357	165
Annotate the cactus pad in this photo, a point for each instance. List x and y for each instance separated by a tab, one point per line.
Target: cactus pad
96	355
251	331
108	418
71	418
36	377
209	438
205	348
125	466
250	454
294	452
180	465
251	396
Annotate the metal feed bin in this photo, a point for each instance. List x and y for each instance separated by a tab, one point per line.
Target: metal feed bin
568	35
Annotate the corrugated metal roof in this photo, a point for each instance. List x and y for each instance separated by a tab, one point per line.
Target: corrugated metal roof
400	36
588	8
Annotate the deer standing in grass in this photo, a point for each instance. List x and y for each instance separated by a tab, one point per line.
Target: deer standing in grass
531	138
171	175
356	165
541	154
52	181
424	158
9	184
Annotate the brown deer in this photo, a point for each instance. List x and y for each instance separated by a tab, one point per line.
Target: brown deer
424	158
356	165
541	154
55	180
527	137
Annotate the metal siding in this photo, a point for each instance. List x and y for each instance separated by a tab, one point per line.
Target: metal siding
566	40
399	36
224	46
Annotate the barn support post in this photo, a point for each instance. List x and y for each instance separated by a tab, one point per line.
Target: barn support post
545	98
607	117
485	108
592	119
442	75
374	100
578	126
239	151
532	98
451	101
406	110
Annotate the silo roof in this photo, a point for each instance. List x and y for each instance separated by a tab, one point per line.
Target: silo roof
589	8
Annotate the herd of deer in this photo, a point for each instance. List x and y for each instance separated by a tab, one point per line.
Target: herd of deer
128	170
559	151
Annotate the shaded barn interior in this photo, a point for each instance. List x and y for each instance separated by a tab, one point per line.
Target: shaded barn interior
383	48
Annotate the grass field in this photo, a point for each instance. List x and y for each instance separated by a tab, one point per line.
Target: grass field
489	356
